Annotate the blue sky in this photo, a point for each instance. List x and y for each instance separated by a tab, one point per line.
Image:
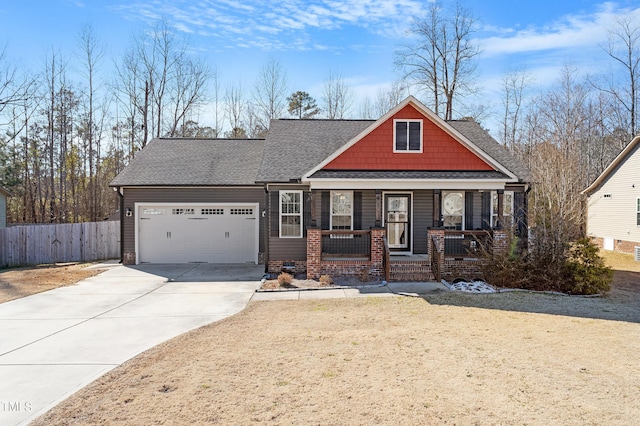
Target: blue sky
356	38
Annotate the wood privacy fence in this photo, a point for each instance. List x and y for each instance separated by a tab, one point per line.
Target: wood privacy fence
68	242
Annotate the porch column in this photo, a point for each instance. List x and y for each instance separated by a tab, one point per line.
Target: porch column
438	237
313	196
314	253
437	200
500	218
379	208
377	252
500	242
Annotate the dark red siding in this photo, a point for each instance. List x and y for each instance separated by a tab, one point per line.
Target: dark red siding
440	151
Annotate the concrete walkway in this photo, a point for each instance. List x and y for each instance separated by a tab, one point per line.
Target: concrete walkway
54	343
390	289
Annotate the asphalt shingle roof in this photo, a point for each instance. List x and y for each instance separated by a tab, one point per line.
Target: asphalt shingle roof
190	162
483	140
294	147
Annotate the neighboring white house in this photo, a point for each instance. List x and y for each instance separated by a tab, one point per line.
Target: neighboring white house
613	207
3	206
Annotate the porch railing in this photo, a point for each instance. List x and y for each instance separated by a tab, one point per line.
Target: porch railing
386	259
465	243
346	244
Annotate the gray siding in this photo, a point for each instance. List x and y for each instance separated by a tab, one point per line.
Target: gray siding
188	195
615	216
422	219
477	210
287	248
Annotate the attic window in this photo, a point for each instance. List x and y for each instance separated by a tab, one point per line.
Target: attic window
407	135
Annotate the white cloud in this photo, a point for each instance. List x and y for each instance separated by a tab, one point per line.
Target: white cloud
569	32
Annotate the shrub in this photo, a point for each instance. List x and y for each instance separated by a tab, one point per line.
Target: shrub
285	279
326	279
586	271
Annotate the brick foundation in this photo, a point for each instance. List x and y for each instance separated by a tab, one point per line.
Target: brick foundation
129	258
276	266
621	246
466	269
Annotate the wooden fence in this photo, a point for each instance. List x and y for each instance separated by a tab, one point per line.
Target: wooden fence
68	242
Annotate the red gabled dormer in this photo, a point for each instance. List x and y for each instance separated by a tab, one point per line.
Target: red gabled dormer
408	138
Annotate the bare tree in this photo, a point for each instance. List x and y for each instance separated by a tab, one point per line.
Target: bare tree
235	106
442	59
188	91
389	98
624	48
270	93
514	85
337	96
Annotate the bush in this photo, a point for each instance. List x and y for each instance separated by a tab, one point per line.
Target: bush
586	271
285	279
326	280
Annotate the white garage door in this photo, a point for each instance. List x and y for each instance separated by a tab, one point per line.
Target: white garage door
197	233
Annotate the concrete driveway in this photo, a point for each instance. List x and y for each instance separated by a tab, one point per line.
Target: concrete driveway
54	343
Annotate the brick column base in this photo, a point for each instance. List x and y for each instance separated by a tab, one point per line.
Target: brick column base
314	253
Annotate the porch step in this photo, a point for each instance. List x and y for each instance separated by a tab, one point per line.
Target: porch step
410	270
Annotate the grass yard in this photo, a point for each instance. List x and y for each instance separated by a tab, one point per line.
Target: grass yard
509	358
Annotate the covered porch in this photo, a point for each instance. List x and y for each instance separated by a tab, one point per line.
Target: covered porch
449	254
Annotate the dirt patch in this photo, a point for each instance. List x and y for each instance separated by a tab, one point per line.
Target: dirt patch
452	358
21	282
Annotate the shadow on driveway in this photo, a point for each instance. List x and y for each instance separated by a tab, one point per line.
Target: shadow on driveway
203	272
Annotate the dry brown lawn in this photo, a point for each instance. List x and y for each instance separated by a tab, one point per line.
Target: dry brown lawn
20	282
459	359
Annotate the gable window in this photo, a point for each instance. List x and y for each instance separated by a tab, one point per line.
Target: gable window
507	208
341	210
453	210
290	214
638	211
407	136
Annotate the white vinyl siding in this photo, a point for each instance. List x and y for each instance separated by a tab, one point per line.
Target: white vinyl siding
613	206
290	214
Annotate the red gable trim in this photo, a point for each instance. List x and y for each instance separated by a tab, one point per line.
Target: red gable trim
440	151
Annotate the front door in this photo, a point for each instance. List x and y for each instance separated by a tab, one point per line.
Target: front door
398	221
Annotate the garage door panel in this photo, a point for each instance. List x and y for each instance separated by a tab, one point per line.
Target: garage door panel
187	233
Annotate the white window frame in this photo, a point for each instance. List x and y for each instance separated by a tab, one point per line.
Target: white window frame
407	151
331	214
505	213
282	215
444	194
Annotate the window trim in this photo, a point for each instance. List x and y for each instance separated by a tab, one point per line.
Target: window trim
407	151
444	193
331	211
493	218
282	215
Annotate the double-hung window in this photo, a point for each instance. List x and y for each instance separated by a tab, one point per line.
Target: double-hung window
507	208
290	214
638	211
341	210
407	136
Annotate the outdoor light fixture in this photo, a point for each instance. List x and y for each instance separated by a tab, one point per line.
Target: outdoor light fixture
128	211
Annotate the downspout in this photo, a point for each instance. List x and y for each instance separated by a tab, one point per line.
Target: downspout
121	197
